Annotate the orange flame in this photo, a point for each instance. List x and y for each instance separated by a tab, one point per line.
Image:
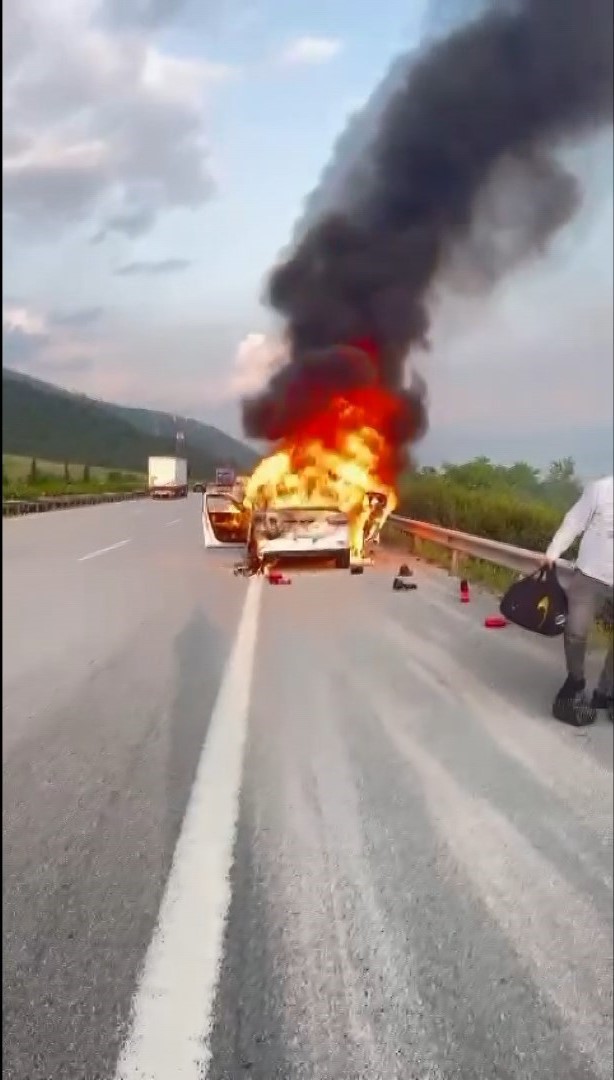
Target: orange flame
337	458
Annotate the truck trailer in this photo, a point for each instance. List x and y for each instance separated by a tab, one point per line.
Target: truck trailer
168	477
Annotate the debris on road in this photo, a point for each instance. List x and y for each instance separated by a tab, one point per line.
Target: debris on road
404	571
248	568
495	622
277	578
402	585
464	591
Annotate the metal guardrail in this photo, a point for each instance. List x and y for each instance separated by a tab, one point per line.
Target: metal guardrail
17	507
521	560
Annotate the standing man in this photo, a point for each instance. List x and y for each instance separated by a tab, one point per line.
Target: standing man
590	590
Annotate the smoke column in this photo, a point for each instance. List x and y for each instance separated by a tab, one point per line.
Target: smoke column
493	99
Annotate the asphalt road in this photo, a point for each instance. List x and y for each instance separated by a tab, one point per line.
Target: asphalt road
315	832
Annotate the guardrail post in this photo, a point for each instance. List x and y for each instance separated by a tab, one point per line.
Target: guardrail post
454	563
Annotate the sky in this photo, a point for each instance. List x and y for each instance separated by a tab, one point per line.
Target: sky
157	157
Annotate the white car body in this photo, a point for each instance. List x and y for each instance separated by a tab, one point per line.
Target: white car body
225	520
300	532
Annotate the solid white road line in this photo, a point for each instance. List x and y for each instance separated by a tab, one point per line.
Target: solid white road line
175	521
173	1006
103	551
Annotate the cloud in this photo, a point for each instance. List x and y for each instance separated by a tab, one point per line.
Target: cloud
124	360
256	359
48	343
307	51
140	13
21	349
131	223
100	124
80	317
214	16
153	267
25	336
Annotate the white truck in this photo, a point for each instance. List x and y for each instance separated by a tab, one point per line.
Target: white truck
168	477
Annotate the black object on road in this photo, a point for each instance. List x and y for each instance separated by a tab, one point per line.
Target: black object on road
404	571
357	569
251	566
402	585
537	603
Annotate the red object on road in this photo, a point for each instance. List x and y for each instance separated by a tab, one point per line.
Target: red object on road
495	622
464	591
277	578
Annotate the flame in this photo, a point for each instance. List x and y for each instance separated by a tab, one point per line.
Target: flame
337	458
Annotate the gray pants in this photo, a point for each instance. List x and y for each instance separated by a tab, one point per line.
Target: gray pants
587	599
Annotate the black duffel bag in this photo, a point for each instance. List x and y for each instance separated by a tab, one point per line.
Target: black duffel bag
537	603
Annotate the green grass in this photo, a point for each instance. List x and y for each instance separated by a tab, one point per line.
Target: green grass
498	515
56	478
494	579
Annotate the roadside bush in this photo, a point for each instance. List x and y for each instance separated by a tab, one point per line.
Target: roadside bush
499	516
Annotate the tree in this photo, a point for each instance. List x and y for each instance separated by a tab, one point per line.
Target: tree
523	477
561	487
561	471
86	474
477	475
33	474
66	473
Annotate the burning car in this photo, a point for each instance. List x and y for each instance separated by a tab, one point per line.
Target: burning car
300	532
378	506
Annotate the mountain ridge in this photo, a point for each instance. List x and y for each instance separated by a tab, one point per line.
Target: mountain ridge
42	420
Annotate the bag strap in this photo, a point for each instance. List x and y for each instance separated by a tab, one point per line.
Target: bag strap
542	573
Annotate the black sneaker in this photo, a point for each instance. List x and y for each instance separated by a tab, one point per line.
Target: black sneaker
603	701
571	706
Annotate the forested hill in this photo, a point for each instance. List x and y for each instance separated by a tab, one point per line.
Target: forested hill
45	421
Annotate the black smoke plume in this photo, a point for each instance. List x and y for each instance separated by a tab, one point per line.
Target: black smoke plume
500	94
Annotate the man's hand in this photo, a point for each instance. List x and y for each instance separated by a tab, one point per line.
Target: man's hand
547	561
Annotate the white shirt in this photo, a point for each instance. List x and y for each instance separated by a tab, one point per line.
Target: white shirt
593	518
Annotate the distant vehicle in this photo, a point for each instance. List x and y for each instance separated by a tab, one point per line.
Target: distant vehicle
225	477
225	520
168	477
310	532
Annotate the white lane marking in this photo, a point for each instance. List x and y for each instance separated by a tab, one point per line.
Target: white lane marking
173	1005
175	521
103	551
